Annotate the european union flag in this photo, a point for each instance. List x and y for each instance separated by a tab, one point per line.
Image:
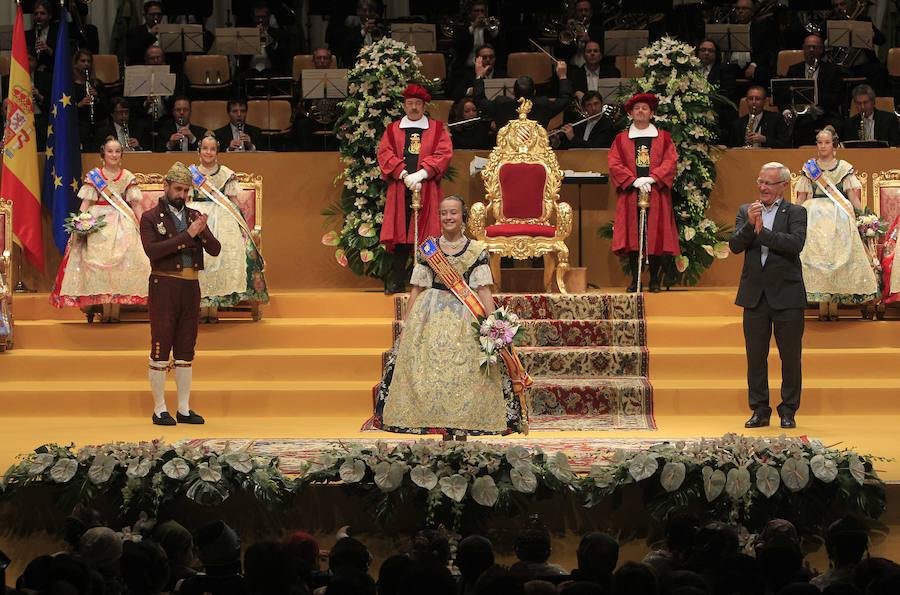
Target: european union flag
62	169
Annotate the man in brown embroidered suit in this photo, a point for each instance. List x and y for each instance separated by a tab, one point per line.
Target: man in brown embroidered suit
174	238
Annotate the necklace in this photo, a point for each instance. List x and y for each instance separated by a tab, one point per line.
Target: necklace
454	248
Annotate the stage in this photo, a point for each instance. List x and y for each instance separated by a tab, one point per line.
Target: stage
307	369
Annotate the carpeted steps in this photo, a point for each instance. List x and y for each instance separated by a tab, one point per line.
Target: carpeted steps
587	355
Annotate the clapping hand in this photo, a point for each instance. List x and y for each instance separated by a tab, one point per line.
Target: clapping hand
197	225
754	213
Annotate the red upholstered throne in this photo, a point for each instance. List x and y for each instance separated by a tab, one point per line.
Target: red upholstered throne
249	200
522	180
6	240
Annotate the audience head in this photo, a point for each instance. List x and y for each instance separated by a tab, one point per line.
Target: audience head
632	578
322	58
488	55
62	573
540	587
81	519
708	52
430	578
463	109
154	56
598	554
176	541
524	87
474	555
584	10
846	541
681	531
303	545
592	102
270	569
683	582
101	548
813	48
533	542
350	581
392	574
773	179
144	566
237	111
864	98
414	99
218	546
499	581
431	546
743	11
349	552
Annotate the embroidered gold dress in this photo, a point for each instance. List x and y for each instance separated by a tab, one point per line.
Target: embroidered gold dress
236	273
108	266
433	383
835	265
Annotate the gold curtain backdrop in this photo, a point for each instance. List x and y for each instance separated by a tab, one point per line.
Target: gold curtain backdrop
298	186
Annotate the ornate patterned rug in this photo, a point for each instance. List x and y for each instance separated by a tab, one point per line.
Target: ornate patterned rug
587	354
582	452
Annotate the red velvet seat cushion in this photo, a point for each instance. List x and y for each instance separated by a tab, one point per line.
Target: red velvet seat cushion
515	229
522	185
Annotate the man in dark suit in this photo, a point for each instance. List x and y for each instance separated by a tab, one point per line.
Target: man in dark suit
502	109
586	28
587	78
41	38
237	135
771	233
877	124
829	90
177	133
132	134
769	129
469	36
594	134
466	79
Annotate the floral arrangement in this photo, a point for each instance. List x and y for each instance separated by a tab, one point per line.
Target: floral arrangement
496	332
83	223
450	480
685	111
744	480
374	100
870	226
147	476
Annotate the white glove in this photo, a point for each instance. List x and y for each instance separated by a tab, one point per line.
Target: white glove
412	179
643	184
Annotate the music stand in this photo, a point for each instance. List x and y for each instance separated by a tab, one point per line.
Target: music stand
324	84
181	39
793	92
419	35
625	42
729	38
865	144
850	34
149	81
609	89
494	88
237	41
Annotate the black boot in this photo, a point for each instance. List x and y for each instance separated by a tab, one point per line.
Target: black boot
655	262
634	264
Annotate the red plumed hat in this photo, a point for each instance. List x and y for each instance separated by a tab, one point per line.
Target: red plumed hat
648	98
414	91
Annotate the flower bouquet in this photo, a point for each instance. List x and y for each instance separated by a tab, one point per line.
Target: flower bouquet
495	333
870	226
83	223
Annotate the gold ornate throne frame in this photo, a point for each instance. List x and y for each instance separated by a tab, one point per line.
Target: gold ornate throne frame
6	287
250	201
862	176
524	228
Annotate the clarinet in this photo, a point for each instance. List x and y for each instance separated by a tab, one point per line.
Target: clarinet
87	92
184	139
37	38
240	128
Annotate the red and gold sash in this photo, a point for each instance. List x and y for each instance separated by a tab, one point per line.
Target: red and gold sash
112	197
450	277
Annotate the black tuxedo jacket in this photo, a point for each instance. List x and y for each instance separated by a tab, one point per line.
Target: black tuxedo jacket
772	127
782	277
601	137
886	128
578	76
723	76
45	59
136	128
830	83
224	136
503	109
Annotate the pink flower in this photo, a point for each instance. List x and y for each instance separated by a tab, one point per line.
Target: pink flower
366	255
331	238
681	263
340	257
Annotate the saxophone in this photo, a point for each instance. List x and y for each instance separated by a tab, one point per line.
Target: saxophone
127	146
862	126
751	128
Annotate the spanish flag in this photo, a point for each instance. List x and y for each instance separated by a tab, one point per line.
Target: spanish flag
20	182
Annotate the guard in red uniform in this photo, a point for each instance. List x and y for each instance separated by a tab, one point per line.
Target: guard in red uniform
174	238
414	153
644	158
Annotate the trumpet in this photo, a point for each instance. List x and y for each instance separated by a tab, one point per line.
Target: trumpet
570	34
811	70
240	127
492	24
87	92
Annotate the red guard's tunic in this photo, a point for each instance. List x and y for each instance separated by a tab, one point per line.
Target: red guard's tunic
662	234
436	151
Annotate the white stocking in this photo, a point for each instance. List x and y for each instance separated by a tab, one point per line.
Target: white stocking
183	375
158	385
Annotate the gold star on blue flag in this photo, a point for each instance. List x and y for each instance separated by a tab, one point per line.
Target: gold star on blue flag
63	155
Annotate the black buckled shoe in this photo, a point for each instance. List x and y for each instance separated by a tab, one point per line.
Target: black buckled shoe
757	420
163	419
190	418
788	421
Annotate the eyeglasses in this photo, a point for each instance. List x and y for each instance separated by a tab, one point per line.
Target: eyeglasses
769	183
